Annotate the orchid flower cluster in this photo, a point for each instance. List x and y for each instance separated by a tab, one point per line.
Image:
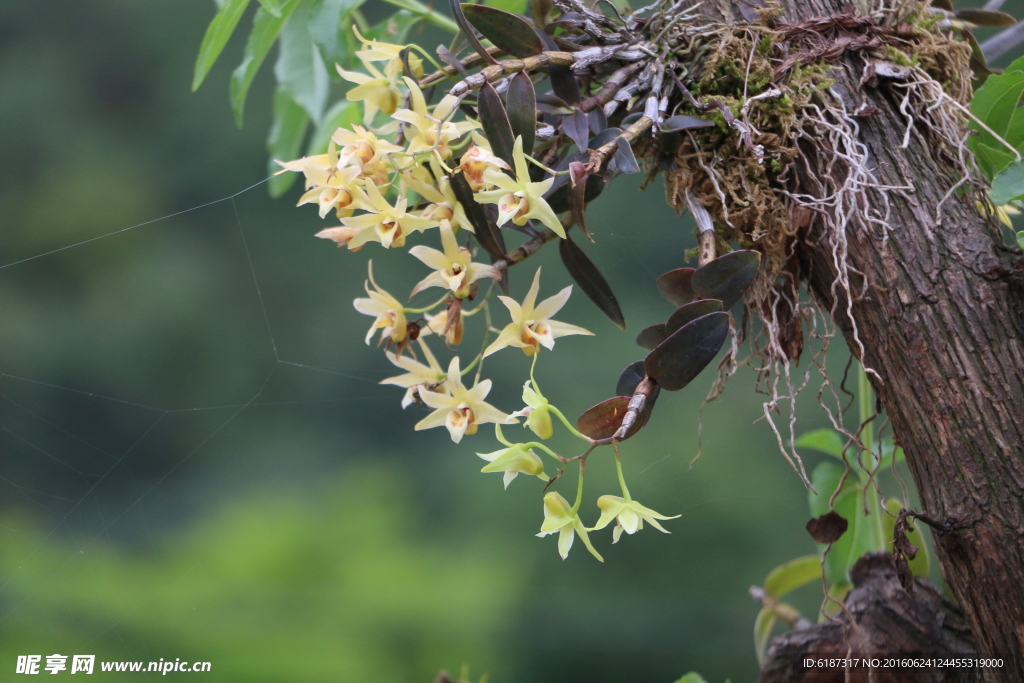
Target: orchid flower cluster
388	182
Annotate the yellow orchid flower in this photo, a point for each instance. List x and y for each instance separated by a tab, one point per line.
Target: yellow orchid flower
365	150
389	313
628	514
376	91
560	517
417	375
384	223
512	461
444	203
475	162
438	324
375	51
454	268
461	410
517	198
532	326
330	183
432	133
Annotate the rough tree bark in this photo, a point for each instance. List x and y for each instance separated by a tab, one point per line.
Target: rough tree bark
942	324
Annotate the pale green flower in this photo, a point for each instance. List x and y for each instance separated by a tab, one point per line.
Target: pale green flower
628	514
559	516
513	460
537	412
461	410
532	326
517	198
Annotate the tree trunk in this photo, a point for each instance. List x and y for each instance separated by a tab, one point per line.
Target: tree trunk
942	324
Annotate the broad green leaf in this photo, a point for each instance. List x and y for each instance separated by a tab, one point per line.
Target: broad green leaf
510	32
992	159
265	29
273	7
521	106
920	564
326	26
825	480
1009	184
285	140
763	631
341	115
890	454
513	6
1020	239
824	440
867	530
494	119
995	103
792	575
217	36
300	69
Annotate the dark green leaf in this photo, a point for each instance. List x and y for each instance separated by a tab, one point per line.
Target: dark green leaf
630	379
681	357
496	124
604	137
510	33
682	122
217	36
265	29
650	337
522	110
986	18
604	419
563	84
687	313
726	277
487	234
625	161
300	69
577	127
590	280
326	25
676	286
468	32
286	133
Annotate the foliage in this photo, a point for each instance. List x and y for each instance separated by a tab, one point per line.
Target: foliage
272	582
846	486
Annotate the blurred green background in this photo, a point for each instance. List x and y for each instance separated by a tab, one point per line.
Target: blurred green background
196	461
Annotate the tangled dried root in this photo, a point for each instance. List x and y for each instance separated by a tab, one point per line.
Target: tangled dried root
815	171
